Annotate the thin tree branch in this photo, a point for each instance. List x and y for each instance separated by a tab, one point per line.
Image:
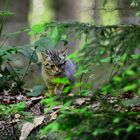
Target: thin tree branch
3	42
13	70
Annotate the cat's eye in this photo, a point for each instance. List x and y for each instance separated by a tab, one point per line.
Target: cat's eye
52	66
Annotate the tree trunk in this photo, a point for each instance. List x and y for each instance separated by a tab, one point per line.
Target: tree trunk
66	10
96	12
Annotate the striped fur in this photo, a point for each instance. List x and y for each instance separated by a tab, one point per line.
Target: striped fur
55	65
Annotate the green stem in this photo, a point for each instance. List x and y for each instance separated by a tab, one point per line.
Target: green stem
13	71
30	61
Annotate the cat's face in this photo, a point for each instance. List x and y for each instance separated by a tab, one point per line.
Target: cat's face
54	61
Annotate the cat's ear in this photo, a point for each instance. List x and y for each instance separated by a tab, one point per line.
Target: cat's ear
45	55
64	51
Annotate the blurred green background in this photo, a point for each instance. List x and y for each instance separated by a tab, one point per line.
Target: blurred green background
33	12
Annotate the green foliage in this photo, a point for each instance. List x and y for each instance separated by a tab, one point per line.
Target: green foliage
11	109
36	90
6	13
36	29
116	45
61	80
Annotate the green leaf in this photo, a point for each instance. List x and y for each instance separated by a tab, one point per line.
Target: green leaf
16	33
36	29
117	132
130	128
129	72
18	107
138	13
52	127
124	57
8	51
43	44
87	86
131	102
86	45
116	120
51	101
28	52
60	80
106	88
64	38
67	89
98	131
86	92
6	13
106	60
134	3
135	56
74	56
36	91
130	87
117	79
55	36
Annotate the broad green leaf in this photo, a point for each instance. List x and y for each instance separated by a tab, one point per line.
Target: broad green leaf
44	43
28	52
36	91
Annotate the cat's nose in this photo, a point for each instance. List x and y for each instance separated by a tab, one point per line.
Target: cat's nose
56	69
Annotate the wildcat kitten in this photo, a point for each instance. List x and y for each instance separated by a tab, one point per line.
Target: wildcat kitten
55	65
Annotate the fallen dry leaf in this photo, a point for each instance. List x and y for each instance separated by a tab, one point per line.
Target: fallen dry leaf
54	115
17	116
80	101
38	120
28	127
